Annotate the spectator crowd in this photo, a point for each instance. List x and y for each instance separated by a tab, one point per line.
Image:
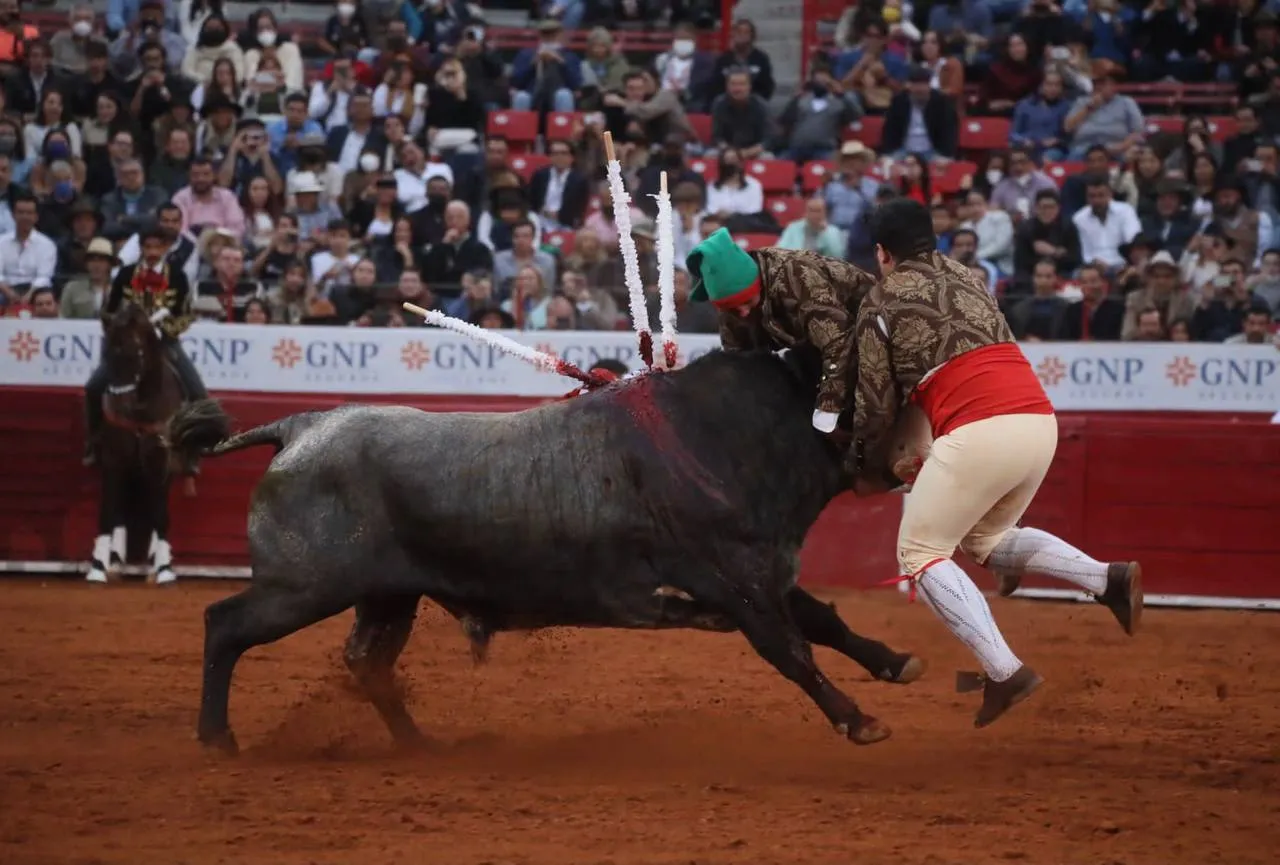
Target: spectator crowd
326	175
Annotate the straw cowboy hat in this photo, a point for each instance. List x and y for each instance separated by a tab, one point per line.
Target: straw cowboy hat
211	237
100	247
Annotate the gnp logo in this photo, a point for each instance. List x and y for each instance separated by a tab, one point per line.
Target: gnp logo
24	346
219	359
1245	376
63	356
415	355
330	361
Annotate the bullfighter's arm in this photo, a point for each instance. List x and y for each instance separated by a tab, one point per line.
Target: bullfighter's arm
876	396
829	326
180	306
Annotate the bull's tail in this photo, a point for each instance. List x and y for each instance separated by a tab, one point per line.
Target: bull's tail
202	428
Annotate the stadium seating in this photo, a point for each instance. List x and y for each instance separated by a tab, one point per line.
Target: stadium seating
1060	171
775	175
520	128
984	133
755	241
527	163
867	130
701	126
561	241
814	175
786	209
708	168
560	125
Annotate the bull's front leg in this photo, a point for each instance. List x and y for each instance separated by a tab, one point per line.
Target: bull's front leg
766	625
822	626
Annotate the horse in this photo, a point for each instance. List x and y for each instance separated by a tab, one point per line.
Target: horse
143	392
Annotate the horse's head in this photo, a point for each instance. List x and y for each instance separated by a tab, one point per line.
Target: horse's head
131	349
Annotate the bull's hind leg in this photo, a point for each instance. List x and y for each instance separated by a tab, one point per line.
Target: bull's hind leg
768	627
262	613
822	626
377	638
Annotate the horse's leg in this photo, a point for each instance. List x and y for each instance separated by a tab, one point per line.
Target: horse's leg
115	488
161	555
106	522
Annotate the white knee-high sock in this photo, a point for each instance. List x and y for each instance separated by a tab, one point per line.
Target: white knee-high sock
950	593
1031	550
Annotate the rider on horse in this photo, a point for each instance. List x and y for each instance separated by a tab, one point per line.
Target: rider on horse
152	284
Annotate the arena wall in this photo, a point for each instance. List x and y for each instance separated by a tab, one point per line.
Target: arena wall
1195	497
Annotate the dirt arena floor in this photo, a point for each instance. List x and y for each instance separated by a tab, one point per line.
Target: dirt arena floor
609	747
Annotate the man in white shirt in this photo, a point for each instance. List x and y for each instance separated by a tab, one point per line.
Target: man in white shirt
411	179
182	252
1104	226
28	258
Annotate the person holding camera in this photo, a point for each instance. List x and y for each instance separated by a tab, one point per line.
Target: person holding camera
545	77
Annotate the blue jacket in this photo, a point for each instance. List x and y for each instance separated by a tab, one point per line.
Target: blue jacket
1035	120
524	69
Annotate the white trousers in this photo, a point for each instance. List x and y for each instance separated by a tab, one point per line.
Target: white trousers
974	486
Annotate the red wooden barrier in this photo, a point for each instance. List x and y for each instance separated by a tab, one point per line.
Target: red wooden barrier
1194	498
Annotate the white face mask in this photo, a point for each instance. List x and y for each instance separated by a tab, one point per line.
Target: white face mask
346	10
682	47
82	28
994	176
369	163
266	38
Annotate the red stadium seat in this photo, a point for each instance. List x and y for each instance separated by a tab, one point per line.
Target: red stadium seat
518	127
786	209
1222	128
560	125
775	175
562	241
708	168
984	133
1157	123
1060	171
951	177
755	241
867	130
701	126
815	175
527	163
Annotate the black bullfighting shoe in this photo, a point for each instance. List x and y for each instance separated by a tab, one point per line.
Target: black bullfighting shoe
999	697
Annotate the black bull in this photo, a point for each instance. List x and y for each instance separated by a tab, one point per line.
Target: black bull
674	500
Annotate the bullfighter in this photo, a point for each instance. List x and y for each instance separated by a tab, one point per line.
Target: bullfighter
931	334
777	298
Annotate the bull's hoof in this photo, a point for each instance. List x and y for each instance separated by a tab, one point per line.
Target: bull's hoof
866	730
223	742
907	669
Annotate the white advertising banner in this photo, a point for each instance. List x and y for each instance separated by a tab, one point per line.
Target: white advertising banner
428	361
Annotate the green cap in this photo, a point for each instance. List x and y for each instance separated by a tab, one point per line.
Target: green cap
721	272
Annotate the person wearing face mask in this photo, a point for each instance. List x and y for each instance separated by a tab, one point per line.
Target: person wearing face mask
266	35
344	27
68	46
815	118
687	71
213	44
